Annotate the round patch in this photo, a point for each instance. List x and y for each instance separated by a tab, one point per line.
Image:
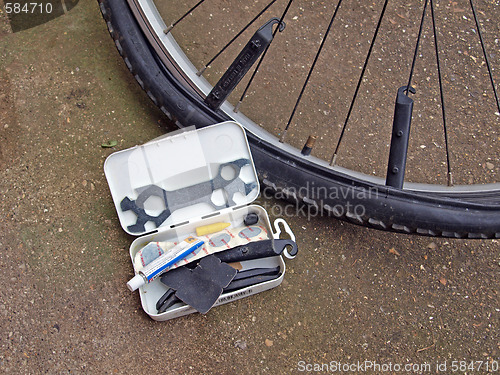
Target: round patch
220	240
250	232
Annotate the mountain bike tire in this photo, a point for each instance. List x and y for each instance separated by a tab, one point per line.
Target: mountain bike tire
314	189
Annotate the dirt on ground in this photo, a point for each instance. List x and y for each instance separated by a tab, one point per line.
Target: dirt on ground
353	299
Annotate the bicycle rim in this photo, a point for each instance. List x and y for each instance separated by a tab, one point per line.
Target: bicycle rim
458	211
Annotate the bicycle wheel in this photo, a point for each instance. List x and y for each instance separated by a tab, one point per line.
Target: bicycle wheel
170	79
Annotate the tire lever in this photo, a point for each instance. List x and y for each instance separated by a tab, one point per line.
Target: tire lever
258	249
243	62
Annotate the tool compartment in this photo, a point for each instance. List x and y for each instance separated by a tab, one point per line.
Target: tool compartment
165	189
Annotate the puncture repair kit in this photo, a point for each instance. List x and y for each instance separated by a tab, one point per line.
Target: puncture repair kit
188	196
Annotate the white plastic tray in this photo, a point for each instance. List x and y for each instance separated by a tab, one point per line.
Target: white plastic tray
177	161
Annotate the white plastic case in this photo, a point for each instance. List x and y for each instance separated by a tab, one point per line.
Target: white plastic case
176	162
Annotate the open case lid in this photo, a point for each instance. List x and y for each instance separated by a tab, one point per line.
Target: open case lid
182	177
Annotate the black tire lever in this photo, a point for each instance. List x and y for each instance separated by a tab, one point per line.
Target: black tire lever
258	249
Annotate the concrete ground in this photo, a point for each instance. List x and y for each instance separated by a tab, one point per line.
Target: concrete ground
352	296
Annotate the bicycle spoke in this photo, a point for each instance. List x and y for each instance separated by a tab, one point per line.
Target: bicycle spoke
334	156
483	46
169	28
416	47
200	72
443	108
311	69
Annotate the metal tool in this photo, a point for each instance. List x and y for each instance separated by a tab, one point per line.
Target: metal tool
189	195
